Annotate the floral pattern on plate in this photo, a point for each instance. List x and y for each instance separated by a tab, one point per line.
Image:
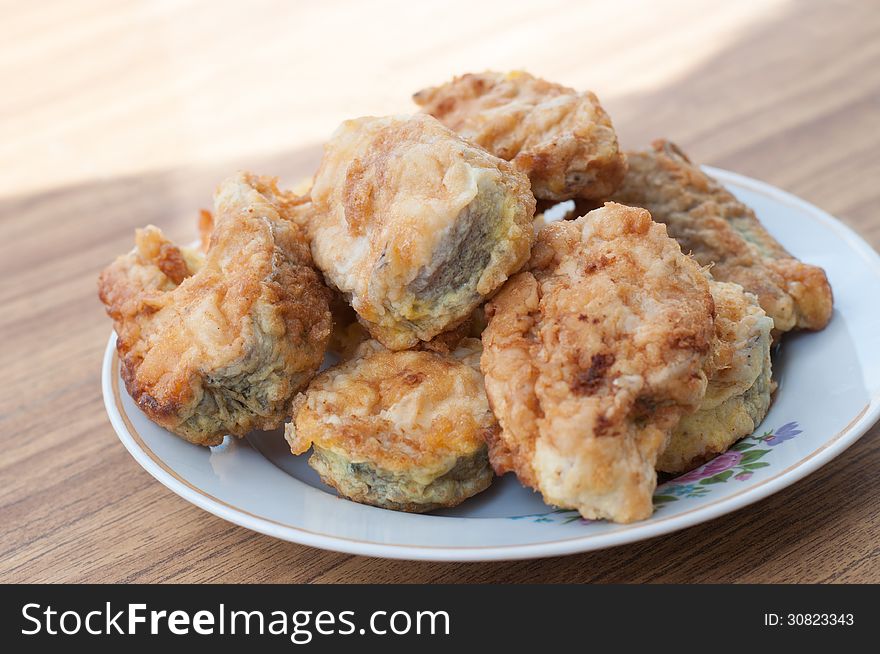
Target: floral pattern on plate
739	463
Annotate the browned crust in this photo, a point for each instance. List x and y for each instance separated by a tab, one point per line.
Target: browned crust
562	139
592	355
721	232
416	226
220	344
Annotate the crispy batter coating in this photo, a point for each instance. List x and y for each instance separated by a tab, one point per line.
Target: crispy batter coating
591	358
348	333
562	139
738	394
219	343
416	226
403	430
719	230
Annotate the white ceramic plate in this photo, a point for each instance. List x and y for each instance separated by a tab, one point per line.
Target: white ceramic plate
829	395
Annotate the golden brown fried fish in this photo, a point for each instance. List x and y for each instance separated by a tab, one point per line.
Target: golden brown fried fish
402	430
219	343
719	230
415	225
348	333
592	356
738	393
562	139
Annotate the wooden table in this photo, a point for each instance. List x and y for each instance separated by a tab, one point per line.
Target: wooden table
114	115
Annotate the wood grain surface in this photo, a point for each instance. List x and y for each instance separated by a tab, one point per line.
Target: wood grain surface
114	115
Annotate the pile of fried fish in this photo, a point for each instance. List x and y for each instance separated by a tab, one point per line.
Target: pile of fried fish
470	337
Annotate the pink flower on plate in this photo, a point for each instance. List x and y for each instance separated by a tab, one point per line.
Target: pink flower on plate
722	463
694	475
743	476
716	465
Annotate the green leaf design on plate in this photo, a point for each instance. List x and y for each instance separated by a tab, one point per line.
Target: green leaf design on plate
755	466
663	499
719	478
750	457
742	445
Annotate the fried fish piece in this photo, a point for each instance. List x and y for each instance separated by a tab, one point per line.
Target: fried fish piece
562	139
719	230
348	333
592	356
401	430
738	394
220	343
416	226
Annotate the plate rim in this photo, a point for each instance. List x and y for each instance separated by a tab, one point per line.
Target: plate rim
831	448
